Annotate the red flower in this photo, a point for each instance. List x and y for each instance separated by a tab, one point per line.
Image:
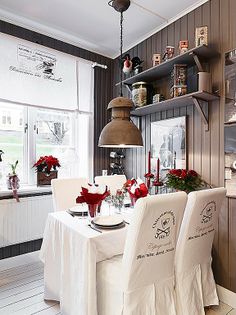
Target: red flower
183	174
175	172
46	163
192	173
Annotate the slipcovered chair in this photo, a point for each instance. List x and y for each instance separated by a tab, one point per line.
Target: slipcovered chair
142	280
113	182
65	191
195	284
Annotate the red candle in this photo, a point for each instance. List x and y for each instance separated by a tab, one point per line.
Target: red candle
158	169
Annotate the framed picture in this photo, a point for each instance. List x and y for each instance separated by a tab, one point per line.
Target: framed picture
201	36
168	143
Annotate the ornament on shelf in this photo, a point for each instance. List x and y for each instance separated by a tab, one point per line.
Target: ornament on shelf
136	65
183	46
156	59
169	53
201	36
178	80
126	64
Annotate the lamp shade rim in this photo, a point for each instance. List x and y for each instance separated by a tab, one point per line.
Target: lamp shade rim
120	133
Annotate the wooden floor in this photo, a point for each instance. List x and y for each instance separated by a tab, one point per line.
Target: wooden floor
21	289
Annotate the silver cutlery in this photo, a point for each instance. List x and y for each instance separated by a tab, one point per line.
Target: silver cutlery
70	213
94	228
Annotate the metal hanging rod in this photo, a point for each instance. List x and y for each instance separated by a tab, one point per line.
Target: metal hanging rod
95	64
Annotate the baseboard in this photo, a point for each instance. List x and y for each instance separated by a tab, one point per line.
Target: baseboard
20	249
226	296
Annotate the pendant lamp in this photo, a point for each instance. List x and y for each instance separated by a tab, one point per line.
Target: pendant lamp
120	132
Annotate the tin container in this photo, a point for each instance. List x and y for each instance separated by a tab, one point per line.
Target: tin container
141	92
176	90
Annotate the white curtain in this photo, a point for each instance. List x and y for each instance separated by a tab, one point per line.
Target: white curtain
85	118
35	75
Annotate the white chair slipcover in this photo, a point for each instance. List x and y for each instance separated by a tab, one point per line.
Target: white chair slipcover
65	191
113	182
195	284
141	282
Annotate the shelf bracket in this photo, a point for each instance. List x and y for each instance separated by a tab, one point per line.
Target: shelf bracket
197	61
128	88
202	114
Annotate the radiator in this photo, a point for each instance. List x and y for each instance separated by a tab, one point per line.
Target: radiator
25	220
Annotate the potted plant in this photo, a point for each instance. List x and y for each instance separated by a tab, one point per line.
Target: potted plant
12	178
185	180
46	168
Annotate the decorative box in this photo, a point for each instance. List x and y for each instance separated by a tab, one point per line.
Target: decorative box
45	178
179	75
177	90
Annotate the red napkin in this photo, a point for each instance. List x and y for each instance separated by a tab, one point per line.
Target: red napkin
91	198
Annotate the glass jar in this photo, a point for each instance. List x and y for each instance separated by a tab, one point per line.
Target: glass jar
140	94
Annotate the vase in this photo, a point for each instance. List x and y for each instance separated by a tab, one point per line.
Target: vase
45	178
93	208
133	200
13	182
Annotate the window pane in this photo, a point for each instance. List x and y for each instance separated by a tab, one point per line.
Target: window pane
85	145
54	132
11	139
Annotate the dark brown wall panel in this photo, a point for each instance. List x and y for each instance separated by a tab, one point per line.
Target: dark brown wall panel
205	149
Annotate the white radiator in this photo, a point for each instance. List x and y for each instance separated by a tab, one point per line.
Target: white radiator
25	220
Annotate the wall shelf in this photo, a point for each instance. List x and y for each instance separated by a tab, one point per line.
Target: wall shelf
196	98
191	57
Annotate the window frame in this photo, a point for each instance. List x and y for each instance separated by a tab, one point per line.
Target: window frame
29	116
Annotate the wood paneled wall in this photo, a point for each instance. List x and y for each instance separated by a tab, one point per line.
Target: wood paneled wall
205	149
103	81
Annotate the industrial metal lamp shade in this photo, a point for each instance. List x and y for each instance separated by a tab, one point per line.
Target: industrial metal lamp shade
120	132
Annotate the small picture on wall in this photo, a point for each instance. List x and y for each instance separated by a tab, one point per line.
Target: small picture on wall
168	143
201	36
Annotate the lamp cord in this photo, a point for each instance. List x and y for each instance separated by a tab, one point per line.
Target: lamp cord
121	51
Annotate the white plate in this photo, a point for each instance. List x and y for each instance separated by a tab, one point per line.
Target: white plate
79	208
108	220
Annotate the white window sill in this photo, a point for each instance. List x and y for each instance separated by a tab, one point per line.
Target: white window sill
25	190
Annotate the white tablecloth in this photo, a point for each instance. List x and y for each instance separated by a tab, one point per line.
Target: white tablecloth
70	251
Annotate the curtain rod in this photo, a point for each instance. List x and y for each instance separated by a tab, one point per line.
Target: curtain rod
95	64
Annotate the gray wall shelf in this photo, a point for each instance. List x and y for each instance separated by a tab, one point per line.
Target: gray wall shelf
203	52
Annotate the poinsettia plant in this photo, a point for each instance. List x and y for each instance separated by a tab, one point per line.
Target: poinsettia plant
136	189
185	180
46	164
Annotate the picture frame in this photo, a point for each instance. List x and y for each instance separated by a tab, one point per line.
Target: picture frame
168	143
201	36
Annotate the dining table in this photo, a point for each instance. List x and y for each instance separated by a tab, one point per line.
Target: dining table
70	251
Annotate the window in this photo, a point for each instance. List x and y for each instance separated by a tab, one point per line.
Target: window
12	139
26	133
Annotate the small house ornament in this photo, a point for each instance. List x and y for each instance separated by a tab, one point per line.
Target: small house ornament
169	53
183	46
156	59
201	36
